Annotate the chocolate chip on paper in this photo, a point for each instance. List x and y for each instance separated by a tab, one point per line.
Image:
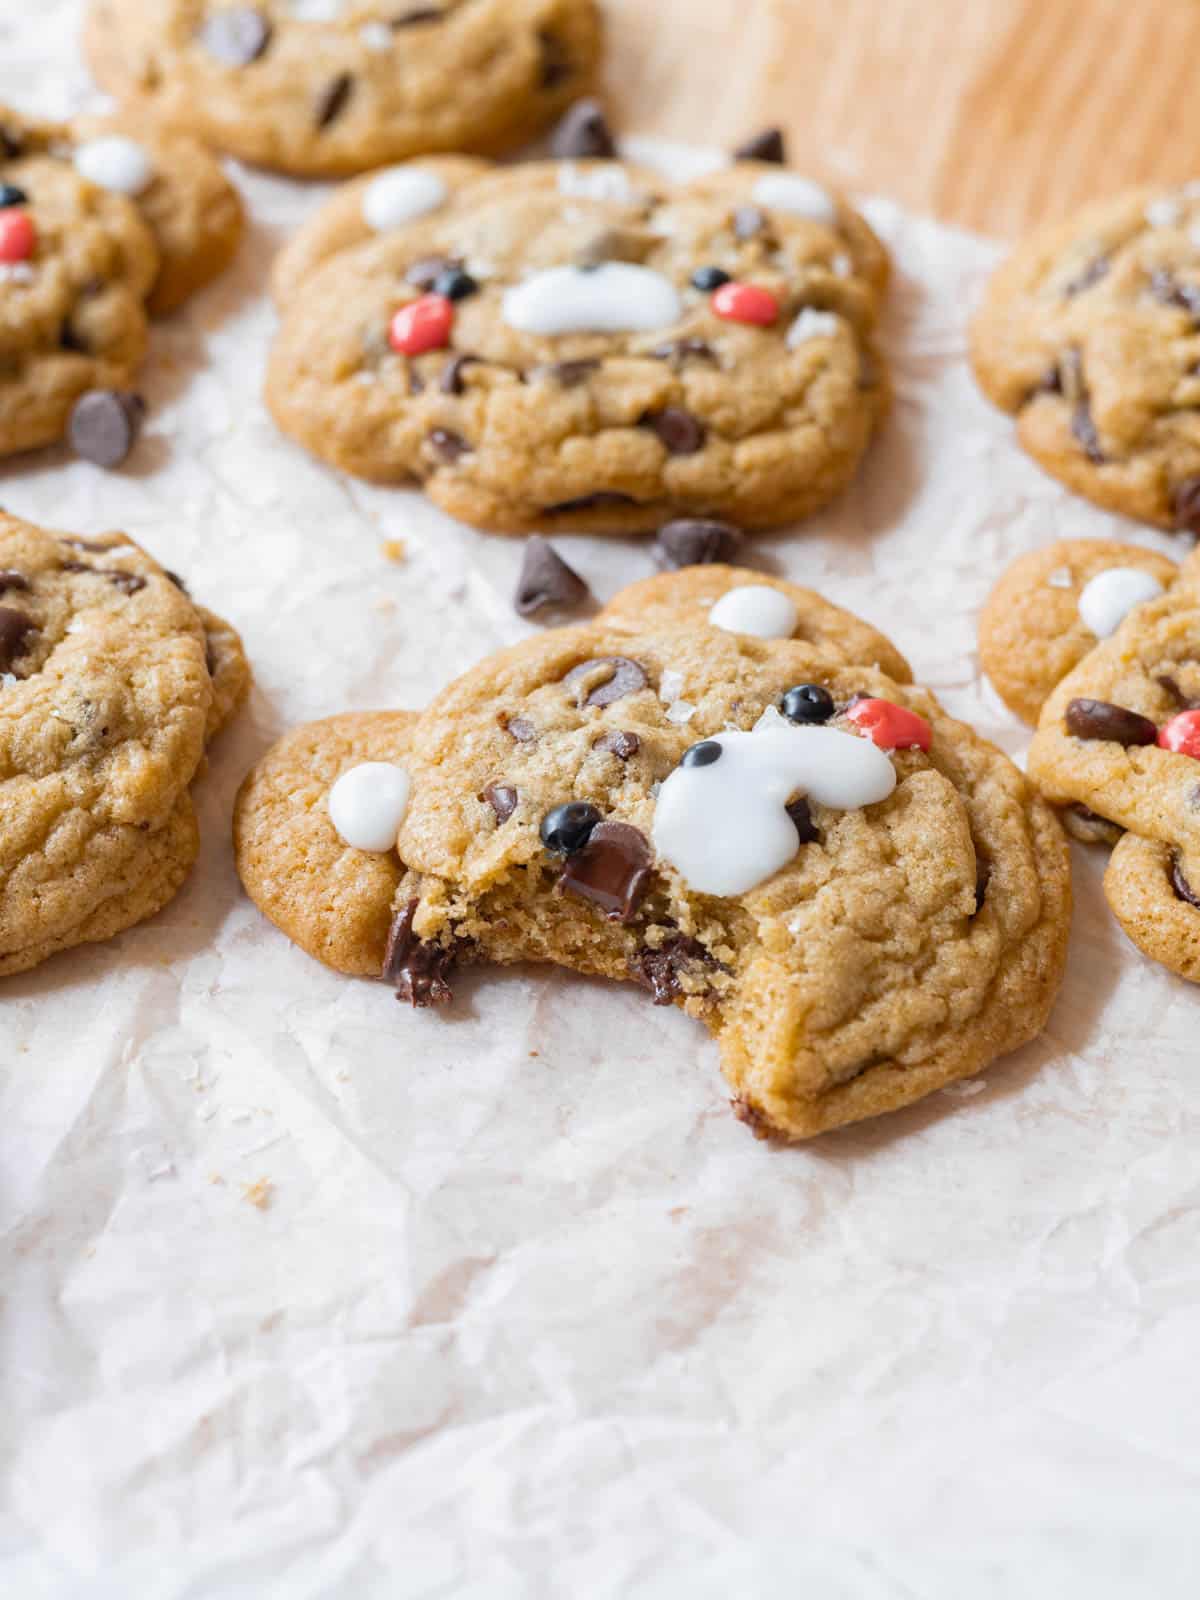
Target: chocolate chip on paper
105	424
583	134
768	145
546	581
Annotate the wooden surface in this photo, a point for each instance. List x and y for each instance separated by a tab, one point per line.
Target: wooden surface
989	113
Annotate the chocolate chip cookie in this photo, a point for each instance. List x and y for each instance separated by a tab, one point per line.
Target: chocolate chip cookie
1090	336
1118	745
112	683
577	345
723	789
102	224
331	87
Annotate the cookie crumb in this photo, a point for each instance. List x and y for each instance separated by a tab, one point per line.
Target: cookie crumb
258	1193
395	550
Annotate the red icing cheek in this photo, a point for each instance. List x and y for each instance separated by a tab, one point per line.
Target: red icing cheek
1182	734
423	324
746	302
18	236
890	726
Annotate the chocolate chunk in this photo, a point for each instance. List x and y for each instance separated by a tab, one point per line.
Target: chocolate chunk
597	501
1165	286
692	542
1092	273
765	146
619	744
332	100
751	1116
1183	889
1084	429
624	677
748	222
448	446
127	582
612	870
678	351
1185	505
583	133
801	814
104	425
450	381
69	338
11	195
546	580
417	969
1098	719
423	274
681	432
502	798
15	628
9	580
521	729
660	970
557	65
237	36
570	374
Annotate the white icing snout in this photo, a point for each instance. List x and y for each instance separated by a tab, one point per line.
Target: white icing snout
615	297
399	195
1109	598
799	197
757	609
367	805
724	826
116	163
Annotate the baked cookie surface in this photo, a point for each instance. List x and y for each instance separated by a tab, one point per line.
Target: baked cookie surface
332	87
711	789
578	345
1088	334
103	223
111	684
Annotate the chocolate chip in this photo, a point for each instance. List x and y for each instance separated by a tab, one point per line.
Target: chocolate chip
567	828
692	542
448	446
173	577
801	815
1084	429
1165	286
455	284
423	274
807	702
748	222
450	381
1098	719
679	351
1092	273
612	870
1171	687
983	876
660	970
557	65
417	969
12	143
11	579
583	133
15	628
104	425
410	19
502	798
332	100
681	432
1185	505
521	729
127	582
1183	889
598	500
11	195
705	754
706	279
546	580
237	36
751	1116
69	338
765	146
624	677
619	744
570	374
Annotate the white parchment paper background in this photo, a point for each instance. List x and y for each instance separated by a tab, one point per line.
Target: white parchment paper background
526	1312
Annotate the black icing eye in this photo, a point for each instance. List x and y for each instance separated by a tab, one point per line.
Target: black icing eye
702	755
455	284
10	195
808	702
566	829
707	279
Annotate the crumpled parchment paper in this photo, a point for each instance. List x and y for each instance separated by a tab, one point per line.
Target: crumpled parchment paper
305	1295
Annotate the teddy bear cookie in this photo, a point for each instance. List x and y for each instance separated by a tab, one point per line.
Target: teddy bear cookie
722	788
323	88
1088	336
578	345
1112	635
112	684
102	224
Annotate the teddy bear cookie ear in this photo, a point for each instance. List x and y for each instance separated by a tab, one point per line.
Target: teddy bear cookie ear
1052	607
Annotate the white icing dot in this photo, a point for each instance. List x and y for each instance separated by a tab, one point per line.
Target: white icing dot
377	36
757	609
1109	598
594	183
114	162
725	826
615	297
1164	212
367	805
799	197
399	195
812	324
